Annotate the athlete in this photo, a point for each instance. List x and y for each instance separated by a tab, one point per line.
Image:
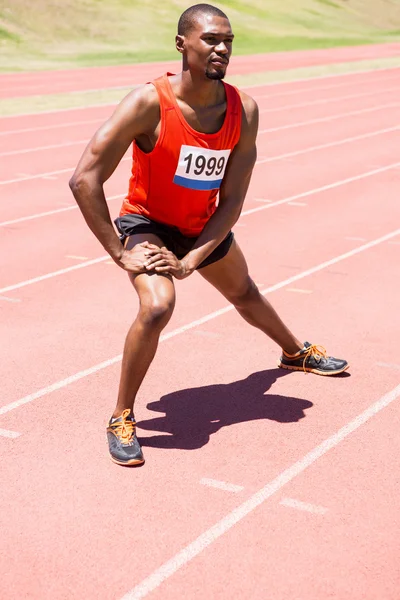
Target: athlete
194	140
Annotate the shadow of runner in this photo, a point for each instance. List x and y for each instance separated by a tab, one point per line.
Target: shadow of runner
193	414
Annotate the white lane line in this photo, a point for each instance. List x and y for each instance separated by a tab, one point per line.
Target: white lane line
243	214
328	100
44	175
51	212
222	485
166	336
9	434
22	284
355	239
49	175
388	365
7	299
76	257
312	508
54	126
204	540
49	147
321	189
244	87
323	88
330	186
299	291
329	118
300	124
348	140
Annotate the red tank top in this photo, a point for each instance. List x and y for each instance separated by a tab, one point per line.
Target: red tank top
178	181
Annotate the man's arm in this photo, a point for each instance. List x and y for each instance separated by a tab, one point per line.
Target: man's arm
137	114
232	194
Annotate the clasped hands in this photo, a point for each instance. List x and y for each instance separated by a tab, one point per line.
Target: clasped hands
149	258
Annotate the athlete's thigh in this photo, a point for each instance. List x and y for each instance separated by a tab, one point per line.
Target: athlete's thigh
152	287
230	274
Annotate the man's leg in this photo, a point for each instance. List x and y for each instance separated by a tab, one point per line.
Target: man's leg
156	304
231	277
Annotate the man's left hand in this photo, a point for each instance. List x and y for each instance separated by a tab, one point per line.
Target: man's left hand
163	260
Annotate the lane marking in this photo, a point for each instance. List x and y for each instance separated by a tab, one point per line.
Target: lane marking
329	186
51	212
260	132
243	214
44	175
299	124
257	85
222	485
9	434
388	365
22	284
329	144
166	336
76	257
189	552
312	508
39	148
299	291
329	118
7	299
329	100
54	126
323	88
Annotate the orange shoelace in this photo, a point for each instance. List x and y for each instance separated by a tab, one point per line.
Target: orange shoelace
314	351
124	429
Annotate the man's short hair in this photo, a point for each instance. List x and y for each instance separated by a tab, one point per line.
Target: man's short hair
188	18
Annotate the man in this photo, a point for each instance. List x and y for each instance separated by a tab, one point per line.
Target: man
193	137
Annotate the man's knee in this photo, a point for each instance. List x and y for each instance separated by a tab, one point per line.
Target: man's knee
245	294
156	312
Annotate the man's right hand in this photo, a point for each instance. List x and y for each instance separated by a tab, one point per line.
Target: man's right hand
133	260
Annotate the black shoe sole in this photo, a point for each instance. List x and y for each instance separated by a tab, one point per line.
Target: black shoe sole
309	370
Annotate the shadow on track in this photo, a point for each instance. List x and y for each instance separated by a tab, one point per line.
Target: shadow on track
193	415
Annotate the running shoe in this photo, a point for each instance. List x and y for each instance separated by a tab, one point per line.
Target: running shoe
122	441
312	359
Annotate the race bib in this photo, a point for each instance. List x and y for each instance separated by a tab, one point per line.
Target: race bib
201	168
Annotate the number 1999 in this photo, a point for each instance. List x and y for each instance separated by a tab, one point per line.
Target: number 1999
210	166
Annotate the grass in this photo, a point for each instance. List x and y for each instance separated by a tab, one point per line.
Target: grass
49	34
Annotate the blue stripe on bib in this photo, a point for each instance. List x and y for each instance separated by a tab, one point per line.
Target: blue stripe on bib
197	184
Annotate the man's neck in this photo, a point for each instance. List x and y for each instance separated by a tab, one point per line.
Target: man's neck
198	90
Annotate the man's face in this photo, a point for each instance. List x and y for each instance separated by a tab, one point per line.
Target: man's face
208	46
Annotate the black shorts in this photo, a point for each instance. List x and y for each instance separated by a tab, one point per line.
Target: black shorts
172	238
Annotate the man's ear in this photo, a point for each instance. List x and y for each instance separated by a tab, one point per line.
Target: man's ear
180	43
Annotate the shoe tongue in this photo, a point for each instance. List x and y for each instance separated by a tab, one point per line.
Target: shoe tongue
130	417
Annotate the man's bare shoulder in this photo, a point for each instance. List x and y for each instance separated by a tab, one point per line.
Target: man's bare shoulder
250	106
143	97
139	111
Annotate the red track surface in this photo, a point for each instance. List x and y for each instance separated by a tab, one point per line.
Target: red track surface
213	406
52	82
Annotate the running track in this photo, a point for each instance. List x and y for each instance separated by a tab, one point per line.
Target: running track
307	503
